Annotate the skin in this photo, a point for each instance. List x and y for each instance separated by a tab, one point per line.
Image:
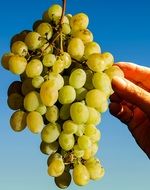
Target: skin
130	102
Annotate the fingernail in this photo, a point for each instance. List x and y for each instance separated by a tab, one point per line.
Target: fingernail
115	108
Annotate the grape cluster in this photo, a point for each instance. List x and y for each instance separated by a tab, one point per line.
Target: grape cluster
64	86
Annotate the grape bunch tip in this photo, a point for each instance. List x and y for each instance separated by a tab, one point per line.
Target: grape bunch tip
64	86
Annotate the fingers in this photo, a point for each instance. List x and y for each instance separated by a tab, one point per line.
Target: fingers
132	93
136	73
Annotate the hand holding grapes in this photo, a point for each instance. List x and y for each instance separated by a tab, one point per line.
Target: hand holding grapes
131	102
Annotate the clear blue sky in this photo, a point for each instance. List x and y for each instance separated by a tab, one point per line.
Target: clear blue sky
120	27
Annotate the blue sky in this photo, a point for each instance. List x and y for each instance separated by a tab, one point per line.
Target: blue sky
120	27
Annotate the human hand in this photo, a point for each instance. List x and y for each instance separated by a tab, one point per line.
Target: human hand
130	102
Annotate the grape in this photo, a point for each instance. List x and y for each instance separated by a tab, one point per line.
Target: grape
32	101
94	149
90	130
94	116
19	48
79	112
48	93
69	127
88	84
50	133
18	121
85	35
80	130
41	109
90	48
15	87
57	78
76	48
27	86
102	82
56	167
15	101
58	66
33	40
45	16
49	148
81	175
81	93
66	141
37	81
114	71
49	60
45	30
96	62
65	112
54	12
65	57
5	60
52	114
17	64
64	180
109	59
66	94
34	68
84	142
96	136
35	122
78	152
77	78
66	28
79	21
87	153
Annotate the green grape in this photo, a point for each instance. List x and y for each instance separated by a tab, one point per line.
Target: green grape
81	175
46	49
66	80
109	59
88	84
69	16
18	121
15	87
85	35
90	130
94	116
79	112
77	151
52	114
64	113
19	48
17	64
69	127
66	28
66	95
56	167
45	16
35	122
94	149
41	109
27	86
49	60
48	93
32	101
55	12
79	21
49	148
58	66
114	71
33	40
34	68
90	48
96	62
84	142
87	153
96	136
45	30
81	93
77	78
57	78
95	98
65	20
15	101
76	48
66	141
50	133
5	60
103	107
64	180
52	156
95	170
37	81
65	57
102	82
80	130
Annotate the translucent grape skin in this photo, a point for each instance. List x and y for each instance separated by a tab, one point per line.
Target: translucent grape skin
49	148
66	141
34	68
64	180
33	40
19	48
5	60
52	114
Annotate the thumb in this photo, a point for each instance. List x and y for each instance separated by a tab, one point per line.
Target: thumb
132	93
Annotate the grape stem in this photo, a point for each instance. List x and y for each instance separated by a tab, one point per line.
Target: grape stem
63	12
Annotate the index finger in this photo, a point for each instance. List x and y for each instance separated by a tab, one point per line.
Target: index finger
136	73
